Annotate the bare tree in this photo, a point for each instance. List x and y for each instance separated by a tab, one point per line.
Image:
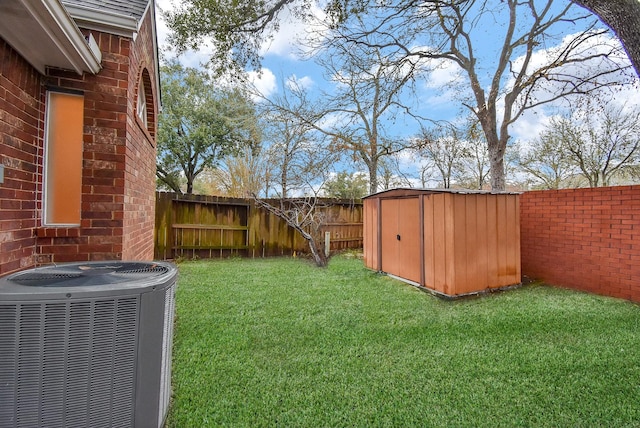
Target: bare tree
547	162
297	154
444	149
531	64
299	161
370	93
243	30
303	214
391	174
533	61
602	143
475	165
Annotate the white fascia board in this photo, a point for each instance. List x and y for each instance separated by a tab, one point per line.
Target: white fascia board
151	8
54	20
104	20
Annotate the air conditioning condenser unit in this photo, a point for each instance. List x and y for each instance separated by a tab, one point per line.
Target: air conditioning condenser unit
87	345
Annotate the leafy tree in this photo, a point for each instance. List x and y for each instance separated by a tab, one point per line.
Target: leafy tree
237	29
346	185
200	123
237	176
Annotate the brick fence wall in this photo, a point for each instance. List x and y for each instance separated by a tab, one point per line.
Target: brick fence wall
587	239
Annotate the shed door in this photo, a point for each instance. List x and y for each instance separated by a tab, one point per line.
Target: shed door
401	238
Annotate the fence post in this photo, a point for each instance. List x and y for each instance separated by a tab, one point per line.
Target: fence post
327	243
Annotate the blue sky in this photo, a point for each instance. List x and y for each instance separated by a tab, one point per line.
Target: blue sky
282	61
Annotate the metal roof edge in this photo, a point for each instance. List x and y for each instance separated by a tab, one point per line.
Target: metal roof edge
452	191
104	20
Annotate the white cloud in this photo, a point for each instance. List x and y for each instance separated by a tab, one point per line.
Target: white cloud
603	44
443	73
293	33
304	82
264	82
529	125
161	25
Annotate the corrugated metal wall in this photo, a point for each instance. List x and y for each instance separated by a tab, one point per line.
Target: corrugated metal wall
453	243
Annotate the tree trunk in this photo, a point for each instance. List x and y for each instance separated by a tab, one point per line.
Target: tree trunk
318	256
496	159
373	176
496	146
623	17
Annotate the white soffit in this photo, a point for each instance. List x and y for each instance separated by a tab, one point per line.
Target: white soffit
103	20
43	33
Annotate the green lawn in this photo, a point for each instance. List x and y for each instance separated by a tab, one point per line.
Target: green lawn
278	342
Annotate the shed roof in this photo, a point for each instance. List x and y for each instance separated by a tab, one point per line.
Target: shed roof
408	191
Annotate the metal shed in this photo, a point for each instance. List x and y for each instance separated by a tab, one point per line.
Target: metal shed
453	242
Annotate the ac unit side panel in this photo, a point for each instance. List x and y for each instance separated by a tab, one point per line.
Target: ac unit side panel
167	347
154	365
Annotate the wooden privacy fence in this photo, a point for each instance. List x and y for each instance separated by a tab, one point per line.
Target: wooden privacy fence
197	226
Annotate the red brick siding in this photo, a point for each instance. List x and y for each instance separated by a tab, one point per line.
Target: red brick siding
99	236
118	184
588	239
140	169
21	119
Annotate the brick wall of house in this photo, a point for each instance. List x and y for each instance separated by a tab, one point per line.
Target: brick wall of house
118	177
140	169
99	236
588	239
21	118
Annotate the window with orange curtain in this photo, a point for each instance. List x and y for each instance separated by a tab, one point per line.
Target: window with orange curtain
63	159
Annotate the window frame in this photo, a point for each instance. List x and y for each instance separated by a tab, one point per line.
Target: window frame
141	104
51	213
145	109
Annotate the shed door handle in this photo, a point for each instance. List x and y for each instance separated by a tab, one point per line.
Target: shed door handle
398	237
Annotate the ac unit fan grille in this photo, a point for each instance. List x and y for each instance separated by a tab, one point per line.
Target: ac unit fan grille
89	275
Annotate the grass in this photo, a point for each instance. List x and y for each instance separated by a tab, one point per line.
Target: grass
278	342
